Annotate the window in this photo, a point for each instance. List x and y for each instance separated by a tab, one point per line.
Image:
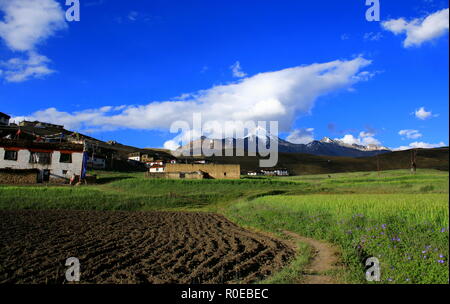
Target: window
10	155
43	158
65	158
64	172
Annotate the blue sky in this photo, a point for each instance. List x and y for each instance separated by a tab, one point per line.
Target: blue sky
130	55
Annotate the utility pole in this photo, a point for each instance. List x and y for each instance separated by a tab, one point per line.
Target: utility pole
413	161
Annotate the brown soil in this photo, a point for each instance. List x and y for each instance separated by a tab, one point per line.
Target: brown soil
325	258
134	247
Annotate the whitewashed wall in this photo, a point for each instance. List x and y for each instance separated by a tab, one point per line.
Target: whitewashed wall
56	168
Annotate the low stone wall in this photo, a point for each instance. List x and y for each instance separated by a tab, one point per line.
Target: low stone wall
18	177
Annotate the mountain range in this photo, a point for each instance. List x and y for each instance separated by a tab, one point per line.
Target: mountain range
249	143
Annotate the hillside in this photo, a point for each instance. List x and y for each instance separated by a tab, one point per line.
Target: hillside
299	164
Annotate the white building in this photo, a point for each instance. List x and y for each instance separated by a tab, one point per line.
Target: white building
135	156
156	162
156	168
252	173
4	119
55	162
275	172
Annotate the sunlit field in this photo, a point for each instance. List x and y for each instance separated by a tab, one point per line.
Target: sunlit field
398	217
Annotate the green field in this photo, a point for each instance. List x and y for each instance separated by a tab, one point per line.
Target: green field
400	218
408	233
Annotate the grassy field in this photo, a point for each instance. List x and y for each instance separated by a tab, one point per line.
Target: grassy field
400	218
408	233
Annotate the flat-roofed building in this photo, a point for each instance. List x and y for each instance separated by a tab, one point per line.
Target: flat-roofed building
53	162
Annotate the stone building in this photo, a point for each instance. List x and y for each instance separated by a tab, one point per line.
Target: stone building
216	171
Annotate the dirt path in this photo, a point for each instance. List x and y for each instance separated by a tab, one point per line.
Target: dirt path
325	258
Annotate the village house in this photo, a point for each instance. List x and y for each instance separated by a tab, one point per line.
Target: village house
24	161
156	162
135	156
156	168
275	171
144	158
4	119
254	173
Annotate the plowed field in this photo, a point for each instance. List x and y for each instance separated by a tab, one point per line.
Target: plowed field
134	247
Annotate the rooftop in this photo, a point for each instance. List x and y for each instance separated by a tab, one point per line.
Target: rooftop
27	144
157	166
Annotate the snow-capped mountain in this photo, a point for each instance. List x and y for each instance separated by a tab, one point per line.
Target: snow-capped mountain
249	143
370	147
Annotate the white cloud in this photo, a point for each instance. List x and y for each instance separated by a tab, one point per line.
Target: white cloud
421	144
204	69
281	96
366	134
349	139
25	25
133	15
301	136
423	114
411	134
18	70
29	22
345	36
371	36
364	139
419	31
171	145
237	70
